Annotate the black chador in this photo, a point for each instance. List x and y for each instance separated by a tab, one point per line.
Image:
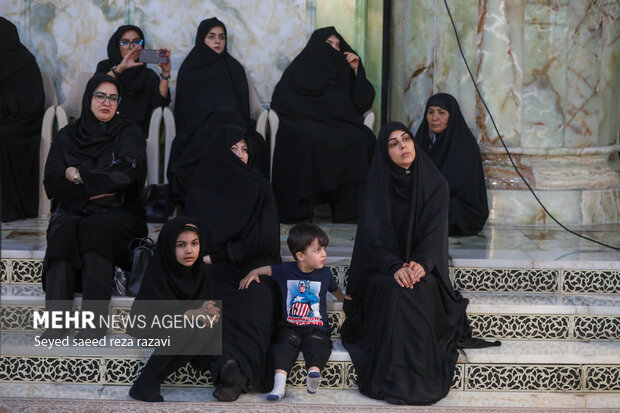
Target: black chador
323	149
456	154
21	112
404	341
140	84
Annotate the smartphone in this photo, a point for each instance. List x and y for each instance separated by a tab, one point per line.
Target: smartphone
154	56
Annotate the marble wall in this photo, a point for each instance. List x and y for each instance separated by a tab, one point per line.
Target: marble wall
69	36
549	70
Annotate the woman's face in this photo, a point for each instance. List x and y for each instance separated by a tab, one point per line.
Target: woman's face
105	109
241	150
437	119
401	148
334	42
132	37
216	39
187	248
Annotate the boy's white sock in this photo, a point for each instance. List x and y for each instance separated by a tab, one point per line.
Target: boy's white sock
313	381
279	387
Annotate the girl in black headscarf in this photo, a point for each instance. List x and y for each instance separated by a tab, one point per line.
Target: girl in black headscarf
143	90
95	172
212	91
239	220
181	283
21	113
405	321
323	149
449	143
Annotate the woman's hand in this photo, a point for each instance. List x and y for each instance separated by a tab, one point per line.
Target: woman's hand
211	311
404	277
416	269
353	60
247	280
165	67
71	173
207	259
130	60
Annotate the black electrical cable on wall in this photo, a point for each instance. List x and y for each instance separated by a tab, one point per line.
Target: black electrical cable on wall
458	41
385	59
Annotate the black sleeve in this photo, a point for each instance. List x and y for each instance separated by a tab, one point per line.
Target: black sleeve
103	67
129	160
56	185
156	99
363	91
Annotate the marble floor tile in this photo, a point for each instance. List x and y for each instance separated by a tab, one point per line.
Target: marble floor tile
491	258
547	352
519	303
42	390
576	259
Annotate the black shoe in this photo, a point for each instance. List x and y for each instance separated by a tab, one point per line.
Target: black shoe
141	391
227	392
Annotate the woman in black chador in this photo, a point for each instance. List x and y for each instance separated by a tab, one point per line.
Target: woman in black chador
238	217
323	149
21	113
181	284
449	143
143	90
405	321
95	172
212	91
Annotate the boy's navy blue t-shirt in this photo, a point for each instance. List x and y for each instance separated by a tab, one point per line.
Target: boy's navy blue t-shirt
304	294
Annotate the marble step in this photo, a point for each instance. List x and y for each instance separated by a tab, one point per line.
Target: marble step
595	280
492	315
514	366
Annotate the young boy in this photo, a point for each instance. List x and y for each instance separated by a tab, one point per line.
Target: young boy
304	285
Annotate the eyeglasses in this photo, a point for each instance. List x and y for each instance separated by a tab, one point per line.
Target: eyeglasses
100	97
212	37
126	43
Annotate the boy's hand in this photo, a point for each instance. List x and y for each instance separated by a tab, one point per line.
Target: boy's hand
247	280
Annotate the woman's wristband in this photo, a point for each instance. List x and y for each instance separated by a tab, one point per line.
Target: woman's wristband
164	77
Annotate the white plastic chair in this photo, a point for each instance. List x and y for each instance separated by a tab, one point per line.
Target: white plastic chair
72	107
257	112
47	130
274	123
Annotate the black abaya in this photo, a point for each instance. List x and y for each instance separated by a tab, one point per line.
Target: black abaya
403	342
140	84
111	158
456	154
212	91
323	149
22	101
237	212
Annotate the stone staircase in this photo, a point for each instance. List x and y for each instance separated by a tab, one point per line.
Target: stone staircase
559	322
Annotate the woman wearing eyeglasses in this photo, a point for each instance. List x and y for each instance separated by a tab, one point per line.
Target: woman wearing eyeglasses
143	89
212	91
95	171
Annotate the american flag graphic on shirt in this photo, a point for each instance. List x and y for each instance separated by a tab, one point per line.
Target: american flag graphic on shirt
301	298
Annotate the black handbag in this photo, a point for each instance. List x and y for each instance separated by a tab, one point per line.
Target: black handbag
140	254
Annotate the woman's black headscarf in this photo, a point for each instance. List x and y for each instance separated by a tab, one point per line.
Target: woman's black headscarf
457	155
89	137
209	81
133	79
233	201
401	218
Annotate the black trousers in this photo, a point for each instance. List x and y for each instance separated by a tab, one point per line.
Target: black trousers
95	282
314	342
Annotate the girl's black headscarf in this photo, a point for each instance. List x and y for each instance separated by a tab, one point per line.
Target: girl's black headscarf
457	155
133	79
89	137
209	81
167	278
235	205
403	218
